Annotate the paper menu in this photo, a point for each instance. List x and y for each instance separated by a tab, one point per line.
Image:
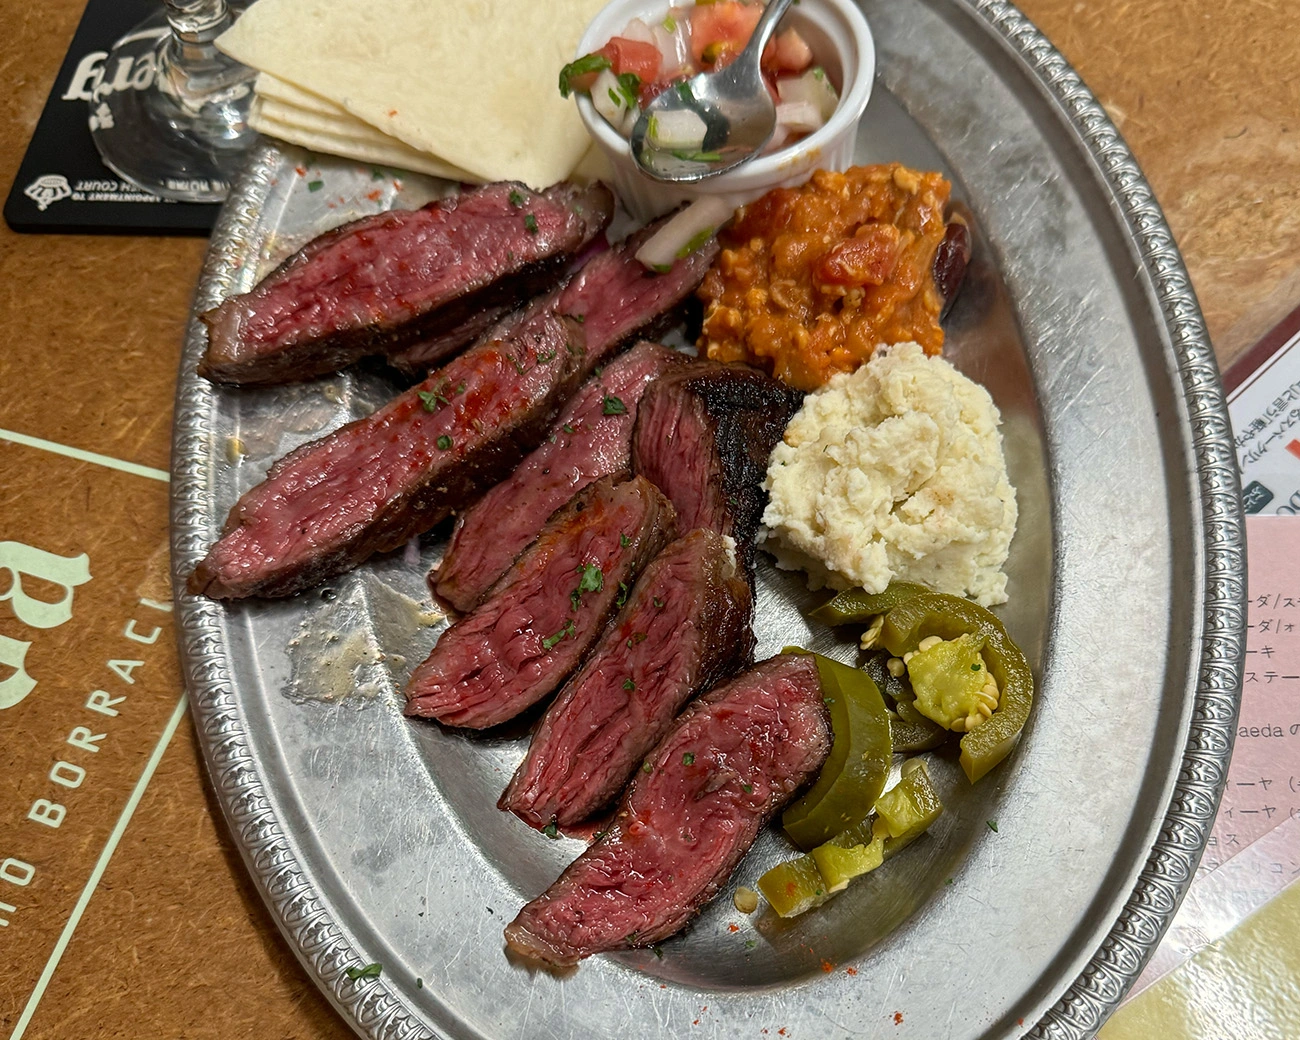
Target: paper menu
1265	412
1263	786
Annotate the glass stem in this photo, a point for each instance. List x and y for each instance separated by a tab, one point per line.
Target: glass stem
197	22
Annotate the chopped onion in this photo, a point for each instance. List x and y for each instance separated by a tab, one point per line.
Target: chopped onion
800	117
639	31
608	99
685	232
677	128
814	87
780	134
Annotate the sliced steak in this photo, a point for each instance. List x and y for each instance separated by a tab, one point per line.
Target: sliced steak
420	358
548	609
379	481
686	625
381	283
375	483
730	762
591	438
703	436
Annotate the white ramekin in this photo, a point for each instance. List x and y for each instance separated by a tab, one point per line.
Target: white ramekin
841	41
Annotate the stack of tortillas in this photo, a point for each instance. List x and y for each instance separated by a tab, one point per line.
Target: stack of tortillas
464	89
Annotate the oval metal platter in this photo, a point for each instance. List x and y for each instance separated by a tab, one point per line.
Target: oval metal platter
1037	898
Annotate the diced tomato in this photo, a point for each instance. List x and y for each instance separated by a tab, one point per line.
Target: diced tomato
583	83
787	53
868	258
635	56
720	31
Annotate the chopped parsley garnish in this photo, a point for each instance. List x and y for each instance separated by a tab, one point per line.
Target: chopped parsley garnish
530	222
545	357
684	91
658	952
592	580
613	406
628	684
624	541
659	604
628	85
598	835
747	788
376	174
443	442
975	667
622	595
580	319
551	830
947	881
582	66
567	428
419	982
646	767
516	199
697	156
688	759
435	398
750	944
697	240
568	630
670	23
993	825
519	365
370	971
315	185
574	600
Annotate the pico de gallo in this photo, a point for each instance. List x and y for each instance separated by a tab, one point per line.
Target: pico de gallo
633	68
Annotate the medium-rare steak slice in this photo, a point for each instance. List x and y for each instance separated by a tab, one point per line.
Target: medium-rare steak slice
542	616
686	625
730	762
703	436
375	483
381	283
592	437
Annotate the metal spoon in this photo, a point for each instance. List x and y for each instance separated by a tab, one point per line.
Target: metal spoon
733	102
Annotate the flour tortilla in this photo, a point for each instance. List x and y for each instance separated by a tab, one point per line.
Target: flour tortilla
366	146
270	87
471	82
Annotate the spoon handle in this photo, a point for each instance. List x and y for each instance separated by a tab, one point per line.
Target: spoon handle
764	29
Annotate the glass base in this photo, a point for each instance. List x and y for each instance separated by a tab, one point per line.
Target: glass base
172	117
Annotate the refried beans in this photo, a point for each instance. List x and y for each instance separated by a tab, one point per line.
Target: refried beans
811	279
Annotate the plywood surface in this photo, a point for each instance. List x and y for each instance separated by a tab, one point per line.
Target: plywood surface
136	918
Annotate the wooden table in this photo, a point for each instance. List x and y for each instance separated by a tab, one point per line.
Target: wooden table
137	918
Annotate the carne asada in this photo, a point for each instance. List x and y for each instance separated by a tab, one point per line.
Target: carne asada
377	482
592	437
703	436
382	283
685	626
733	758
540	618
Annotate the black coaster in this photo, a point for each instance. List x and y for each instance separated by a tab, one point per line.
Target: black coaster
61	185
